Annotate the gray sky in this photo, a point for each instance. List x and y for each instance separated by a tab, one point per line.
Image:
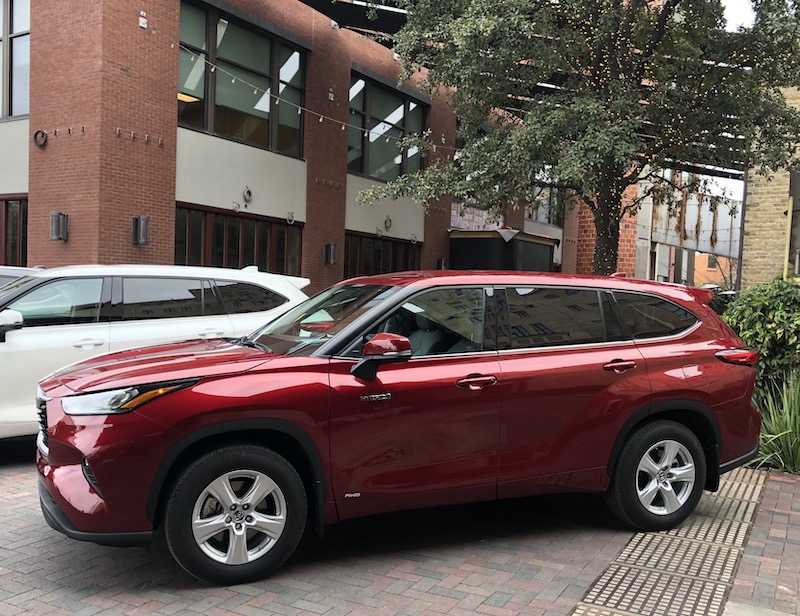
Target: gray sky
738	13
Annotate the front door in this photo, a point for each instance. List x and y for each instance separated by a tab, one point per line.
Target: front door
425	431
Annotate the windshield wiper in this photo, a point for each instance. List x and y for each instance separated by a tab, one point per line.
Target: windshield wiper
253	344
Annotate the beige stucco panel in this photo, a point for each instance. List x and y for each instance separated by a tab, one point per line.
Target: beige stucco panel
14	157
215	172
407	217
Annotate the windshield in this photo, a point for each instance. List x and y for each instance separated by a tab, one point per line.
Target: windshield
308	324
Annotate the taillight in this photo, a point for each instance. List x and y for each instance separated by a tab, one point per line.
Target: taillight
740	357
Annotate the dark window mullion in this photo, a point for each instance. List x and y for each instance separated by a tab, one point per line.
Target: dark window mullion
211	76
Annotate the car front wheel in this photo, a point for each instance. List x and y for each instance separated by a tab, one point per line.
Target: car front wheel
235	514
659	477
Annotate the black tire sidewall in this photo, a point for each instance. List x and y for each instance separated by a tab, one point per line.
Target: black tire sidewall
196	477
624	480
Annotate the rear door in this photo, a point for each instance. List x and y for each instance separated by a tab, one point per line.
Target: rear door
570	379
151	310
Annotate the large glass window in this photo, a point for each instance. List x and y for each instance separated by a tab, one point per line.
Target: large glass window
379	118
15	57
366	254
225	239
239	83
14	231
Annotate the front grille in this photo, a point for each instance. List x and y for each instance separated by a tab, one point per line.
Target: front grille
41	410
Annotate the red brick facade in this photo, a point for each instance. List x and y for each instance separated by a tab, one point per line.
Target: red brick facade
103	88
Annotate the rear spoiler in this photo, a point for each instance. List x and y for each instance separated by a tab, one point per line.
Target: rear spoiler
297	281
701	294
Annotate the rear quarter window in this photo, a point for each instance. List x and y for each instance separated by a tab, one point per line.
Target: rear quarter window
650	316
243	297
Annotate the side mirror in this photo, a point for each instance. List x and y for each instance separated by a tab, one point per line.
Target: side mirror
382	348
9	319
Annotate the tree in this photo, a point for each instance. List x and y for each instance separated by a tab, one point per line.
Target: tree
594	96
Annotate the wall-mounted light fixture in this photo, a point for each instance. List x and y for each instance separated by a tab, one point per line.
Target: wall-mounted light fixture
441	263
59	226
141	230
387	224
329	254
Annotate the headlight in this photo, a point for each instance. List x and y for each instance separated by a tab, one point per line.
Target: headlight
117	401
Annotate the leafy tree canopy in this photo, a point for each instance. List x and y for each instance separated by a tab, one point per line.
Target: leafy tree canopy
596	95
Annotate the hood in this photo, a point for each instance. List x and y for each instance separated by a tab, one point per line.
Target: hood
166	362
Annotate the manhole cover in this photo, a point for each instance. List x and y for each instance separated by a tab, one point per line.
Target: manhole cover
672	555
649	593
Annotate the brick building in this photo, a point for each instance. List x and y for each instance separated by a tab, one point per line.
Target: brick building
281	118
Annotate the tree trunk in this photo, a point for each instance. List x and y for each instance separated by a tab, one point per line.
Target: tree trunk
607	216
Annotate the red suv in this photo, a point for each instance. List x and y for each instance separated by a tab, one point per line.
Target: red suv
394	392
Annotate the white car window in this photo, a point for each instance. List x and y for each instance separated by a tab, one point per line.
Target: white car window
61	302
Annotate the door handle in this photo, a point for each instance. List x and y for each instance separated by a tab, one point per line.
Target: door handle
476	382
618	366
87	343
210	333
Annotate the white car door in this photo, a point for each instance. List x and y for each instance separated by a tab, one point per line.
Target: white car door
62	324
163	309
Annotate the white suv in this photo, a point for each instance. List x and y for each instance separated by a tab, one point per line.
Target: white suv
54	317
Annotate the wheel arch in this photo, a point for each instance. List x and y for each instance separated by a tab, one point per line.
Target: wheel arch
695	415
282	437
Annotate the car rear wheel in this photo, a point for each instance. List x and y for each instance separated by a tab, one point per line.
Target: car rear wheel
659	477
235	514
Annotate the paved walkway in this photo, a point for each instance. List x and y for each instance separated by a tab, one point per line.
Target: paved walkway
541	556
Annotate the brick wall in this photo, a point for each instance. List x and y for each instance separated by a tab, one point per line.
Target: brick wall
585	236
94	70
764	241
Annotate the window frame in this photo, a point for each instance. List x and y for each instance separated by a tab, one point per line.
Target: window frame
412	251
213	15
20	230
365	116
7	37
292	264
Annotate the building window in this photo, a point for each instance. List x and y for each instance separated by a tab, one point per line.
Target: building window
548	207
224	239
367	254
14	232
15	57
713	262
229	78
379	118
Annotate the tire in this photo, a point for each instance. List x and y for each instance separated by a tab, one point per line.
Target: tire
254	500
659	477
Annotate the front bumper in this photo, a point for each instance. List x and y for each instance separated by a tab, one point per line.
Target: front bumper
58	521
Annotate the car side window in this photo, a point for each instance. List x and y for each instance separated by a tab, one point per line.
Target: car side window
650	316
447	320
74	300
543	316
166	298
242	297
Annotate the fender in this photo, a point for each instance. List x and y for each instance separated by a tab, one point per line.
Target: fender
243	425
666	407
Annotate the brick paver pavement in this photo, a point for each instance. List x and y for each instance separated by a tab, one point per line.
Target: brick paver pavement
533	556
769	573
